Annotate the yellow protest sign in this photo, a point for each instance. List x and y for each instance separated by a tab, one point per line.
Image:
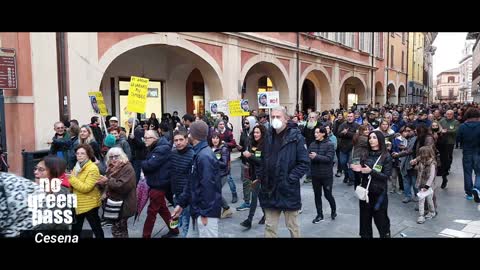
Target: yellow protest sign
137	94
235	108
98	104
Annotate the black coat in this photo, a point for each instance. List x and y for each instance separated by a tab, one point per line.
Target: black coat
280	185
181	166
137	146
345	143
309	134
322	164
378	184
156	166
254	160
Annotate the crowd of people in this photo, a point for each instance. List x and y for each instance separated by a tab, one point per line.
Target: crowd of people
186	162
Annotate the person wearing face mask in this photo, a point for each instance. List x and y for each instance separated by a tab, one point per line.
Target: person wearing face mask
283	163
436	132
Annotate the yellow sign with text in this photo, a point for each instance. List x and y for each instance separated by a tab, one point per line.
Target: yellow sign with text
137	94
98	104
236	109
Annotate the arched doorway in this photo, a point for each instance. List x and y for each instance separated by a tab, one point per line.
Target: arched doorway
182	76
195	93
391	95
264	76
321	99
379	95
353	91
402	93
308	96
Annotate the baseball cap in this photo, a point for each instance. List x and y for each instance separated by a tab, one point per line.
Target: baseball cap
114	119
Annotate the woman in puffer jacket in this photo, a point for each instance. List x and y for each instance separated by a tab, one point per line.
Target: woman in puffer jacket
321	153
222	154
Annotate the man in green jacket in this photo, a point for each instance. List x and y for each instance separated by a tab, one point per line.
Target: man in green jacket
446	143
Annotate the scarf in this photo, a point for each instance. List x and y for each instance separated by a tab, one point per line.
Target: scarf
113	169
79	166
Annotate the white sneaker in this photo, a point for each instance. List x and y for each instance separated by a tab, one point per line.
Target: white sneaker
421	220
430	215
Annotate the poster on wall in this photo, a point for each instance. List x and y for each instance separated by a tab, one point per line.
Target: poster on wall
268	100
217	106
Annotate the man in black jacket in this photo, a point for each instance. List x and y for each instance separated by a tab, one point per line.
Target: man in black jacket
345	133
97	131
285	161
340	120
248	125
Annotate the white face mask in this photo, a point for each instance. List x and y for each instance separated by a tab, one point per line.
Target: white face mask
276	123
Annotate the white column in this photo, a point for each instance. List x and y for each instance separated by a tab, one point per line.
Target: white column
45	86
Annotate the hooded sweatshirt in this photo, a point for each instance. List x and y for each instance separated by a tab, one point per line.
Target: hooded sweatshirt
468	135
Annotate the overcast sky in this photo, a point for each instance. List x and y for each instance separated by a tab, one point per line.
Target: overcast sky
449	51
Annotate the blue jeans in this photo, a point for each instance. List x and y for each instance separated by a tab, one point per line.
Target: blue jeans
471	162
231	183
183	220
344	160
409	182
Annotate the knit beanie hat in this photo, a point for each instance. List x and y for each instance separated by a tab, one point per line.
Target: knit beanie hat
109	141
199	130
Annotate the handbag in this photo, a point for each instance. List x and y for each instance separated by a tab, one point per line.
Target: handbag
246	171
361	192
112	209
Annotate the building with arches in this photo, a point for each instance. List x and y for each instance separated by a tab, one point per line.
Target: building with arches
318	70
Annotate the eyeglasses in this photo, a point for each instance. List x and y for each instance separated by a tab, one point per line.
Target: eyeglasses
60	128
246	123
114	157
40	169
